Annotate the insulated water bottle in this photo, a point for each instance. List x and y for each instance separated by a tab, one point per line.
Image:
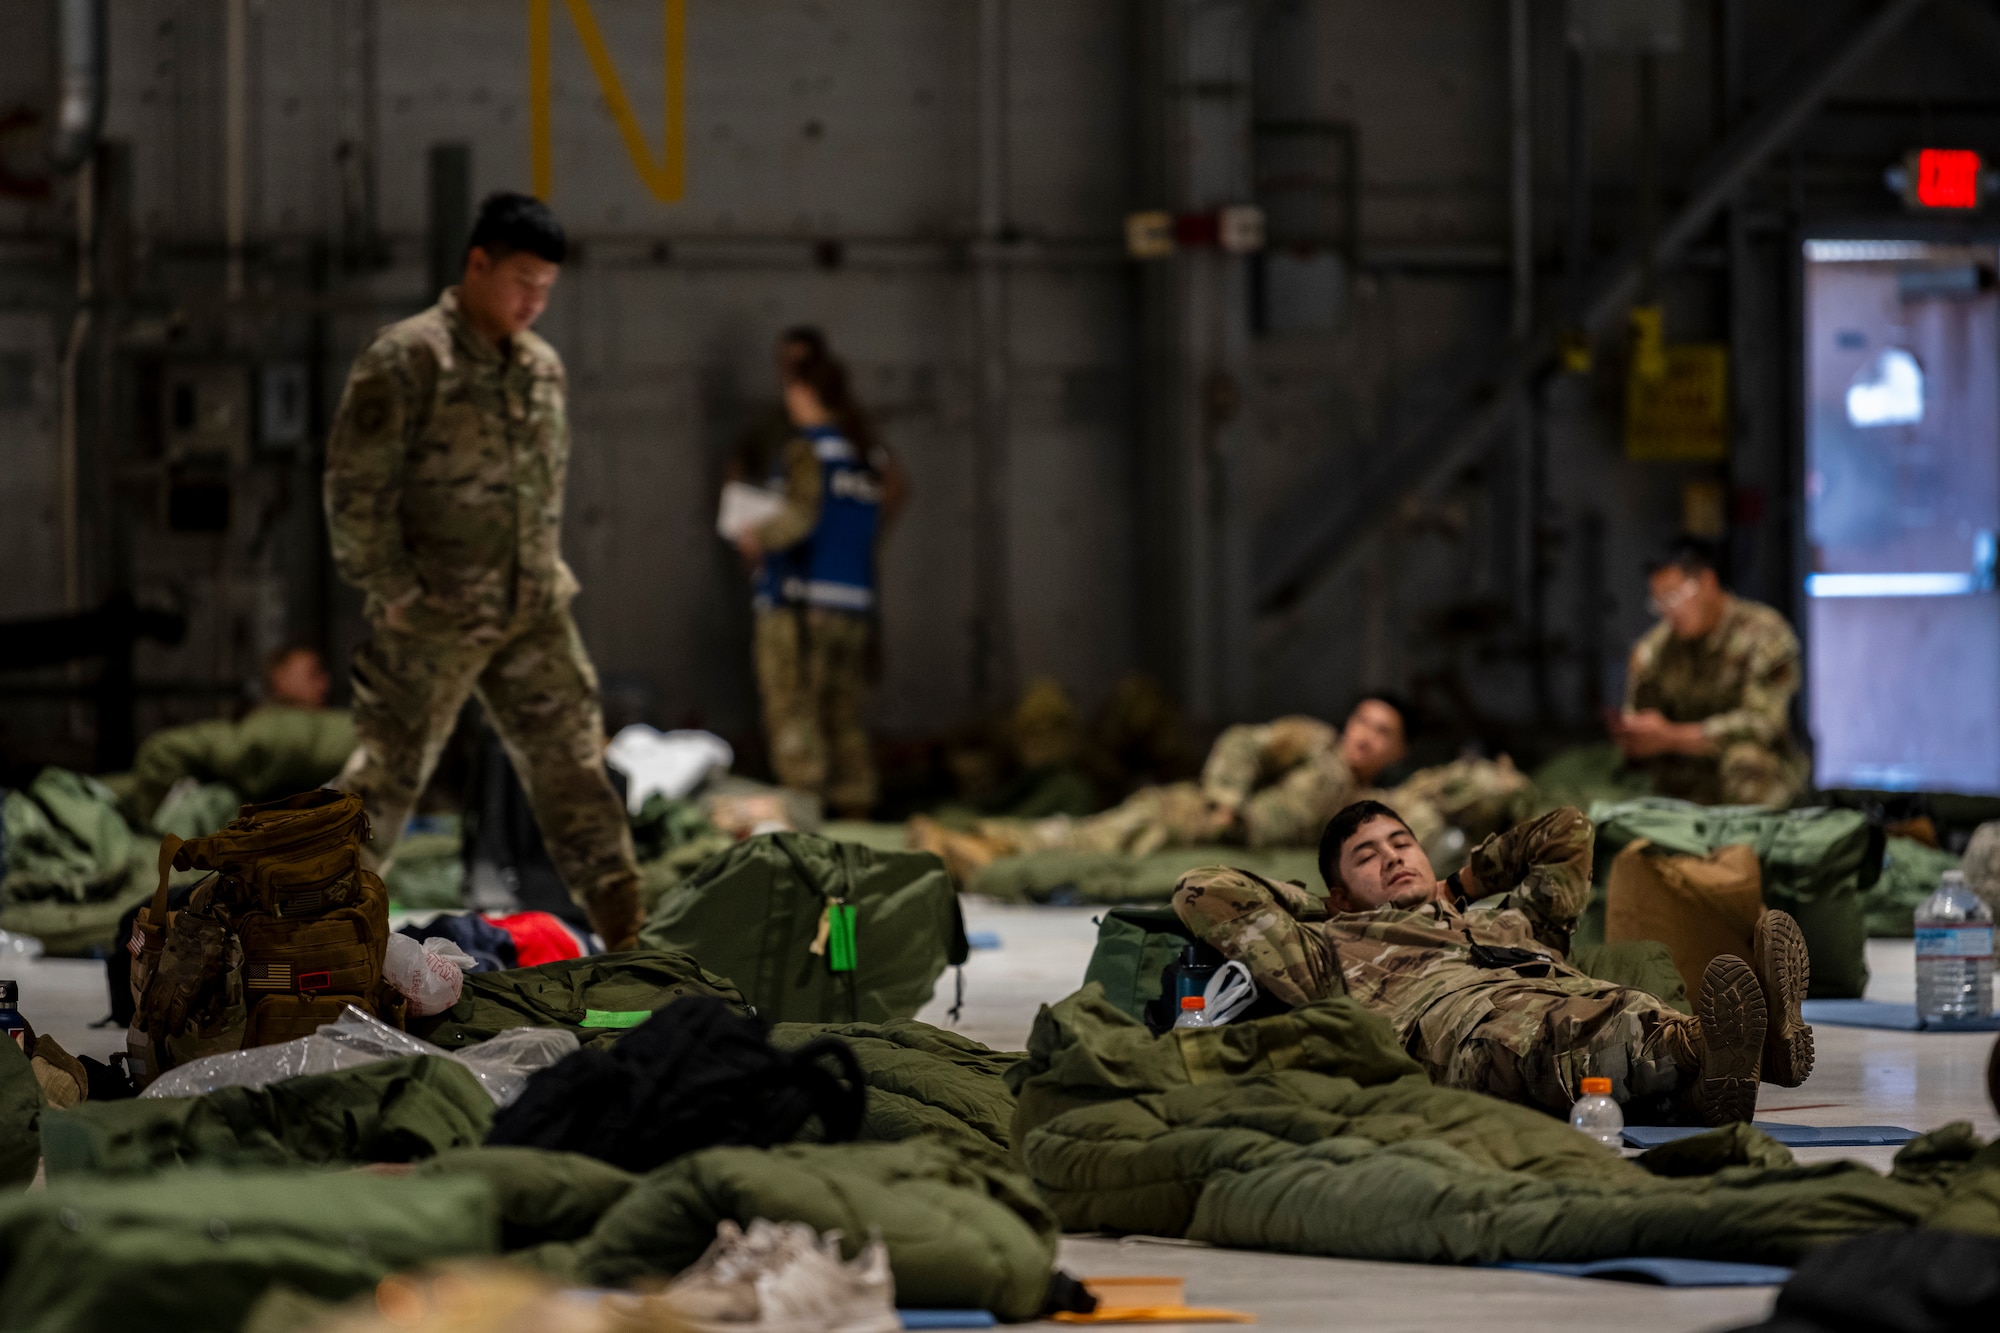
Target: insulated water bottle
1954	954
11	1022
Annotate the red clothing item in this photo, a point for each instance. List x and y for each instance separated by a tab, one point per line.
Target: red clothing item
538	938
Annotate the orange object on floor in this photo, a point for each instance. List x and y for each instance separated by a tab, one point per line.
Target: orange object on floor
1146	1300
1164	1314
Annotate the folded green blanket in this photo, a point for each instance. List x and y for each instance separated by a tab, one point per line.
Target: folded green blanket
193	1251
394	1111
964	1231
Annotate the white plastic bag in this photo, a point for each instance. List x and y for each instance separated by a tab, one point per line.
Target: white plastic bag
673	763
431	975
502	1063
1230	991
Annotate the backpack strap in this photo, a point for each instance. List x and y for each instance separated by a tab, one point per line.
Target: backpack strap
156	913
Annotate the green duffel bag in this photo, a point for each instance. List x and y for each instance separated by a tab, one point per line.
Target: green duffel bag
813	931
1818	863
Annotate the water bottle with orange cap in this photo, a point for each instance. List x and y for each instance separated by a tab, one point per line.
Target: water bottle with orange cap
1597	1115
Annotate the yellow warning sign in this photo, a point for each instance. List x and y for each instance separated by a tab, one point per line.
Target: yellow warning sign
1682	415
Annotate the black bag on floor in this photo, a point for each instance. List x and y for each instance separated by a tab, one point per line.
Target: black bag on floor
1893	1282
695	1075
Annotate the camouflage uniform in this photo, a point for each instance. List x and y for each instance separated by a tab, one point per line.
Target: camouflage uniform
1284	780
444	492
812	666
1528	1032
1737	681
1478	796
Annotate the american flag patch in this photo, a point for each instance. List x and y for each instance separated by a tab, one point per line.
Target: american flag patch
268	976
137	944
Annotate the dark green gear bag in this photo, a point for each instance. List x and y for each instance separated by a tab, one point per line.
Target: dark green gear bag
813	931
1818	863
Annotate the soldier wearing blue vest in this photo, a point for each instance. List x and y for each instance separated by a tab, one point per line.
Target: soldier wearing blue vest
815	595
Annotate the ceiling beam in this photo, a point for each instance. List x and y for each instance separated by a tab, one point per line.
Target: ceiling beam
1317	537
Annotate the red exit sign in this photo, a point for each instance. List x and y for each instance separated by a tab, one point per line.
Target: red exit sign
1943	179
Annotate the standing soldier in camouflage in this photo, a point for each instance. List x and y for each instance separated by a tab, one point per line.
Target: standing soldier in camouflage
444	494
814	568
1708	691
1473	970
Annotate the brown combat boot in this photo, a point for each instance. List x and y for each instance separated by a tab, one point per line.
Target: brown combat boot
1784	970
1733	1022
964	854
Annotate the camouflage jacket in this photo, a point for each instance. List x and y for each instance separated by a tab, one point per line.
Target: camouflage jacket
1535	882
1737	681
1284	778
445	473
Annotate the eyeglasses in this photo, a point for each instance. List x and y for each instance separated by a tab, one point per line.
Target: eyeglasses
1675	600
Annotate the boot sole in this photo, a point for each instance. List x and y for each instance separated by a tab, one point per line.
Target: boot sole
1784	968
1733	1025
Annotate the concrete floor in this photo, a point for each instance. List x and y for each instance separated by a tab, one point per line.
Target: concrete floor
1862	1077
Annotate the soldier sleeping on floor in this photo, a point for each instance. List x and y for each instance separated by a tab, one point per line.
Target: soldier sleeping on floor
1472	970
1269	785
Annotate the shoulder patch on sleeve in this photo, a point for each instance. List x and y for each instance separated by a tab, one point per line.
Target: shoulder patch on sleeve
374	406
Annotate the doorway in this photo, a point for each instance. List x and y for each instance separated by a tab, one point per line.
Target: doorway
1902	508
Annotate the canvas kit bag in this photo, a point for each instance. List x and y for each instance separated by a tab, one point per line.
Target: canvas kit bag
285	933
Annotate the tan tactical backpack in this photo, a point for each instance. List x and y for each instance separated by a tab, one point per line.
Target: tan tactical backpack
287	932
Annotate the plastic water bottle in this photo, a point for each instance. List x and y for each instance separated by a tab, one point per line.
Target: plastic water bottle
1194	1012
11	1022
1954	954
1597	1115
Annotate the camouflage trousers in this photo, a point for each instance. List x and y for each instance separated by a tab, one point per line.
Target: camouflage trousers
540	692
1745	773
1525	1039
812	670
1176	815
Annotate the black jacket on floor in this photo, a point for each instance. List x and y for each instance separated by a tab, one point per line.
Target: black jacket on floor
1893	1282
695	1075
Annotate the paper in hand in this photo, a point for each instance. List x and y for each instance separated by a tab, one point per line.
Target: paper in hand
745	508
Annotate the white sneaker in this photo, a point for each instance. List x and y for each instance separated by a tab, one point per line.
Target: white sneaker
783	1278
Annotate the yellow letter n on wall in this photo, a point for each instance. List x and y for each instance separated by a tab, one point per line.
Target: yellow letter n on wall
666	178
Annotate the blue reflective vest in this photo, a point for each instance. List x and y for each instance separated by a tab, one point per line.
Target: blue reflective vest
835	566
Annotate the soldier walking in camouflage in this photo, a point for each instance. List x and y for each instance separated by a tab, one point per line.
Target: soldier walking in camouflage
1709	689
1473	970
444	494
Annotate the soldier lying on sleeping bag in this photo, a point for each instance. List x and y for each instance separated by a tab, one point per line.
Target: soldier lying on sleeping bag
1269	785
1473	970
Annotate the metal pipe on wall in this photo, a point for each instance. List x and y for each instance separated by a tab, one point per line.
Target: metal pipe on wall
1519	570
992	646
80	67
235	141
68	443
